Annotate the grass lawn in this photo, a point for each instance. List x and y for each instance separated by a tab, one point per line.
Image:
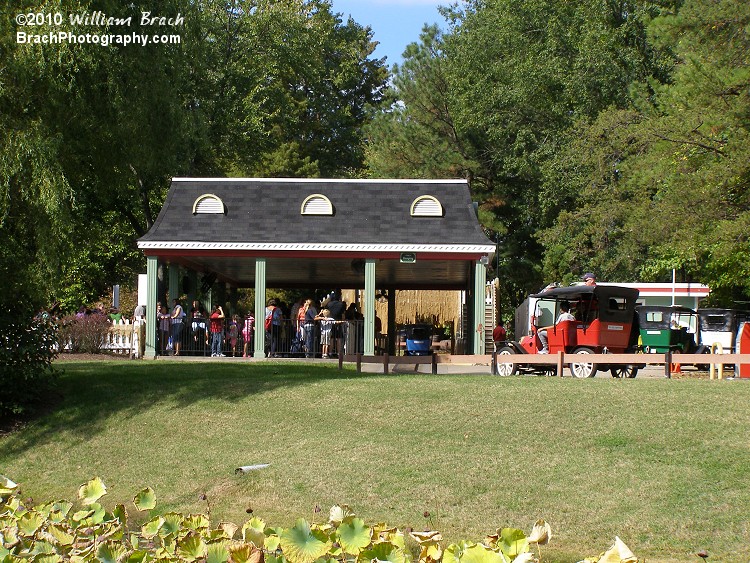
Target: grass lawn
663	464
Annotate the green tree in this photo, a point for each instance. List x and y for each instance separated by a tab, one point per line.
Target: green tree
667	182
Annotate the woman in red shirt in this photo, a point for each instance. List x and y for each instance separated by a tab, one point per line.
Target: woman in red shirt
216	321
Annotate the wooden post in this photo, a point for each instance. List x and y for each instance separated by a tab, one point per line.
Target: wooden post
560	366
385	363
434	363
668	364
359	362
493	364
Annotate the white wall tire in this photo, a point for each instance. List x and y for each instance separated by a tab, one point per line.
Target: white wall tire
503	368
583	369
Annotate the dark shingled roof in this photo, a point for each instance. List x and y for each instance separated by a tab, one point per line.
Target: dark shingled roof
365	212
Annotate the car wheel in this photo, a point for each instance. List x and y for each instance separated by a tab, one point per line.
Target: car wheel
504	368
582	370
628	371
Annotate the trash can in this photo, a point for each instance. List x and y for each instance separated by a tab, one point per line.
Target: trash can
418	340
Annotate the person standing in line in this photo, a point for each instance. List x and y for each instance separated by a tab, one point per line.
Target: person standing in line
233	333
309	327
164	328
216	324
248	330
272	325
177	317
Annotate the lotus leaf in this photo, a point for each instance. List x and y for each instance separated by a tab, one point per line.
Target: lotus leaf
135	541
81	515
47	558
7	487
246	553
61	534
426	537
338	512
191	547
29	523
301	544
9	536
197	522
541	533
455	551
217	552
254	531
152	527
92	491
98	515
392	535
275	559
513	542
272	543
431	550
171	525
145	500
227	529
618	553
384	551
110	552
353	535
478	553
42	547
138	556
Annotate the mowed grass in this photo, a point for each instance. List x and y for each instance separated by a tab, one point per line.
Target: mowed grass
663	464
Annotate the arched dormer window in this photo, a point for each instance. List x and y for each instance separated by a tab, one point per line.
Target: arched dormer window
208	204
426	206
316	204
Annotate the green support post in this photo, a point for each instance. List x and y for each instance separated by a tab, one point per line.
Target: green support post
260	308
480	279
369	309
151	282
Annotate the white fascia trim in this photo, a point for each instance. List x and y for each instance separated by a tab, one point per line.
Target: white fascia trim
324	180
311	247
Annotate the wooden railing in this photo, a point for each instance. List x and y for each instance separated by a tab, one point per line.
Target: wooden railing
557	362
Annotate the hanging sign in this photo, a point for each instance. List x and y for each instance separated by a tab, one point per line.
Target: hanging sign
408	257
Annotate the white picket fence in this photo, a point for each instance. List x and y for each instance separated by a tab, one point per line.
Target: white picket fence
122	338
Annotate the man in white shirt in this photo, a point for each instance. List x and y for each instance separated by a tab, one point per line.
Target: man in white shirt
564	315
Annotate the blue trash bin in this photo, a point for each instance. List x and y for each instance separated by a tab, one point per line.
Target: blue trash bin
418	340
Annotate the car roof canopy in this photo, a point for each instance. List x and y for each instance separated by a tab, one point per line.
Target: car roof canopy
600	292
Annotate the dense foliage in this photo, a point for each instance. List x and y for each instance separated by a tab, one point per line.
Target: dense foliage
607	136
56	532
27	348
91	135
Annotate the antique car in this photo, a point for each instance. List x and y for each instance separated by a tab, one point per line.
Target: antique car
720	327
605	322
665	328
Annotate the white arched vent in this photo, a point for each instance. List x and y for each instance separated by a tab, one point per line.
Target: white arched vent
426	206
208	203
317	204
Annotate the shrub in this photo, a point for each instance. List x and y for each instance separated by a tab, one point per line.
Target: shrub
85	334
27	348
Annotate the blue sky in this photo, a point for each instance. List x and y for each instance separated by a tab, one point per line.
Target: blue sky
395	23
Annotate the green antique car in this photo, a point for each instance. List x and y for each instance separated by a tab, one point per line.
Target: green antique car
667	329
